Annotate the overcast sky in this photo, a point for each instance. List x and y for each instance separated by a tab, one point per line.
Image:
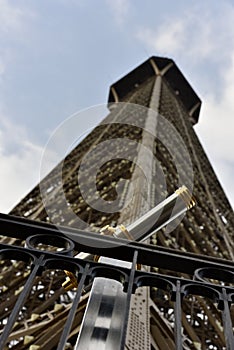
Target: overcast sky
60	56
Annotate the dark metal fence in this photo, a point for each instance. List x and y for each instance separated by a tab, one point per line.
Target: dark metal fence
211	278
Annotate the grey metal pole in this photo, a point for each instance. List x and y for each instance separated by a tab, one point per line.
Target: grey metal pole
102	326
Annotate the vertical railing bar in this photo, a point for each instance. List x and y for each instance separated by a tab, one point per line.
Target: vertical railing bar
20	302
227	323
72	312
178	325
128	299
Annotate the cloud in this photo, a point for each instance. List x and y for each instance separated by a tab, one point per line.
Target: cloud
13	29
19	159
163	39
119	10
2	67
197	33
217	120
19	163
216	129
11	17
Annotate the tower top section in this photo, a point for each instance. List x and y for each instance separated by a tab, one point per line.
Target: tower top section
166	68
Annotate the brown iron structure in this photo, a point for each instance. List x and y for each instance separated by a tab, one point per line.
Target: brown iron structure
206	230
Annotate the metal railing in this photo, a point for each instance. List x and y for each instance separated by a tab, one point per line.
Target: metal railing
202	269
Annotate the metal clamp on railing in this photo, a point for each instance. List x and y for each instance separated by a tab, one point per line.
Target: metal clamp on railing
144	227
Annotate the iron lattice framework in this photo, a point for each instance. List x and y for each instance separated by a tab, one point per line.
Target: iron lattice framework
207	229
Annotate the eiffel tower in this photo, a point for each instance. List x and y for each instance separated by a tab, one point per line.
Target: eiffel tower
153	106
